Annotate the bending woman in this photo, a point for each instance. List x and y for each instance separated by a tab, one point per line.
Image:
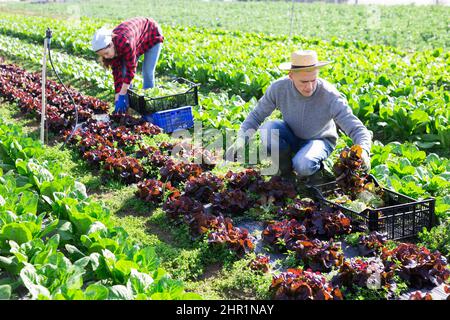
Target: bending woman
120	49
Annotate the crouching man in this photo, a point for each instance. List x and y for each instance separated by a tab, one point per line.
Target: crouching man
311	108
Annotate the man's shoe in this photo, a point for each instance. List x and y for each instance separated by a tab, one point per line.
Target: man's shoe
288	175
315	179
285	164
302	188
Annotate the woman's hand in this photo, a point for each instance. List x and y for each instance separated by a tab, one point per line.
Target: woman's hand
121	104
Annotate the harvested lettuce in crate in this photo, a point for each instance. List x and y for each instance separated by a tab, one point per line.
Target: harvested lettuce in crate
166	89
356	192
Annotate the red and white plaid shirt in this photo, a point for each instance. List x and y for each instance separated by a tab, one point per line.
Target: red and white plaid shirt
131	39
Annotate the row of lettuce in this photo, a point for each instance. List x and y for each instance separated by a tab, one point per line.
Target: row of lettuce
218	109
56	243
401	95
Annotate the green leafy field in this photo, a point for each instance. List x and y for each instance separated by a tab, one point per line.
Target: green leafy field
61	244
402	95
412	27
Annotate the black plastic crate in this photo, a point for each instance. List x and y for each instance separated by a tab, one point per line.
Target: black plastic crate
146	105
402	218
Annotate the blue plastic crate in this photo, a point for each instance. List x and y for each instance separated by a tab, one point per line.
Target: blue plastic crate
173	119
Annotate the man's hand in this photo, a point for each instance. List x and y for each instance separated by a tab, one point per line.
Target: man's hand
121	104
236	148
366	161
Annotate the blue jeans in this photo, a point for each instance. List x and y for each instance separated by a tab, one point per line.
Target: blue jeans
151	57
307	154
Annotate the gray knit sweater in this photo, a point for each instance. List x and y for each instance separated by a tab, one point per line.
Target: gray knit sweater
313	117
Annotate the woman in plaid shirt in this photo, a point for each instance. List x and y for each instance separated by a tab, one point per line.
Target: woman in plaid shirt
120	50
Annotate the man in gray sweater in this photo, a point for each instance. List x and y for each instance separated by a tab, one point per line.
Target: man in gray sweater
311	107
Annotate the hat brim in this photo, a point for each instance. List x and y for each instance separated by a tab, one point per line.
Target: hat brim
103	47
102	38
287	66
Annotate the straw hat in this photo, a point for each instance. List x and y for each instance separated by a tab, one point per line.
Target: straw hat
303	60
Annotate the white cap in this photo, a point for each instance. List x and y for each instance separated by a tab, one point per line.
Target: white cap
102	38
